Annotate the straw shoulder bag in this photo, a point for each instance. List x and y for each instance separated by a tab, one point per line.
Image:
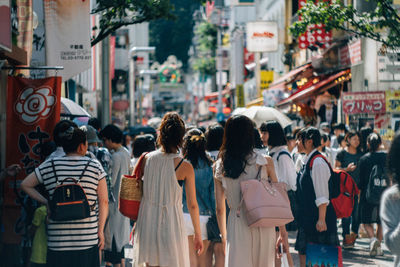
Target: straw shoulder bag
131	191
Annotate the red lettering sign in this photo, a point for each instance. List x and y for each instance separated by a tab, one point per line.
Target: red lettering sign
364	102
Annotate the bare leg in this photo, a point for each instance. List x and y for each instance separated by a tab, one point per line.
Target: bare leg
370	230
218	249
379	233
192	252
205	258
302	260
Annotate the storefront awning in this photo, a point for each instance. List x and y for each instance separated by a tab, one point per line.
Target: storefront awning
313	89
215	95
281	82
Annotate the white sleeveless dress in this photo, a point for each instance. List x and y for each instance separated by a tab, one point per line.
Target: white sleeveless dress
250	247
160	236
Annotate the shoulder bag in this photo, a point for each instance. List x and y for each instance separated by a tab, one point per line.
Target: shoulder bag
131	191
265	203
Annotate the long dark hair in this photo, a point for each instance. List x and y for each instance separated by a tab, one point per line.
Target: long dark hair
237	144
194	148
393	159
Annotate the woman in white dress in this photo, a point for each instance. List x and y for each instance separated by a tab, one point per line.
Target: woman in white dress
245	246
160	235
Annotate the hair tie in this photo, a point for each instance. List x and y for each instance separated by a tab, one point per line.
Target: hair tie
196	138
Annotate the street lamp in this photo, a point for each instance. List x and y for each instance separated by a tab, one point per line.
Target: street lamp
132	77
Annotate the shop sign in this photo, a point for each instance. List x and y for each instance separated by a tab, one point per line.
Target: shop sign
5	22
350	54
392	101
239	95
364	102
262	36
266	79
67	24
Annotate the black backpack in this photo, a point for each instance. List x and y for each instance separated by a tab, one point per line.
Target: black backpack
377	183
69	201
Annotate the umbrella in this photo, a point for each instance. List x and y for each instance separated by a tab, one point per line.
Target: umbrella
71	109
260	114
154	122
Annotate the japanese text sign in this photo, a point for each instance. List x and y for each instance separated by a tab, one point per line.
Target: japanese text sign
262	36
364	102
392	101
33	109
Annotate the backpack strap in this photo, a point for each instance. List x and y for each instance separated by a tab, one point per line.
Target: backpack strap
319	155
283	152
83	172
54	171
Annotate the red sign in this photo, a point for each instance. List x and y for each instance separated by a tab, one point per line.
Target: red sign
33	108
350	54
315	33
364	102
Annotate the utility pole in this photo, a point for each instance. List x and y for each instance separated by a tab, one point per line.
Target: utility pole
105	82
132	80
219	64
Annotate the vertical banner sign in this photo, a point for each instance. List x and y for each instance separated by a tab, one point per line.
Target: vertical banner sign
33	109
364	103
68	35
267	76
315	33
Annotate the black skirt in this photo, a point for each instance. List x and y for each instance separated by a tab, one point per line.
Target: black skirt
369	213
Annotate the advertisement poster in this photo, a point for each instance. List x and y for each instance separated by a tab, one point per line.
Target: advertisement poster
33	109
67	24
364	103
393	101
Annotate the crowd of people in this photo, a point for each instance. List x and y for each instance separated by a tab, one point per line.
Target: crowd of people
190	213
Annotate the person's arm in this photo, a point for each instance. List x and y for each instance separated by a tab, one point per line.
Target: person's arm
320	175
28	186
282	229
220	209
389	213
102	196
193	207
11	170
288	170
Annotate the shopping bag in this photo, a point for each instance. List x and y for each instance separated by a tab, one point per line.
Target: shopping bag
323	255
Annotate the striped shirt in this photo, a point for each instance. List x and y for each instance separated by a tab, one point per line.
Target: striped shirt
74	234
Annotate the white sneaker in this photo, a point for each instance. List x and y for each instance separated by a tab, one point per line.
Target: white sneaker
379	251
373	246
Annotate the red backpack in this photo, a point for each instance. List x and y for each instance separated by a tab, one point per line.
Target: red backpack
342	190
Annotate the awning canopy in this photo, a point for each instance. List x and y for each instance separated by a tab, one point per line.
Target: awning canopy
282	81
215	94
256	102
318	87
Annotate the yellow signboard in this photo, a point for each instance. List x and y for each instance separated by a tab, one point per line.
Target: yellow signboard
392	101
239	95
266	79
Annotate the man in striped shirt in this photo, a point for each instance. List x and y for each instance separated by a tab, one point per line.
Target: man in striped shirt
73	242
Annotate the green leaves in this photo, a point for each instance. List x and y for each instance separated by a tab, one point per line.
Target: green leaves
206	46
381	24
118	13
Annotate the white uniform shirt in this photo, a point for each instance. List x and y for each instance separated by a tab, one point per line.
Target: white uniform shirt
284	168
320	175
